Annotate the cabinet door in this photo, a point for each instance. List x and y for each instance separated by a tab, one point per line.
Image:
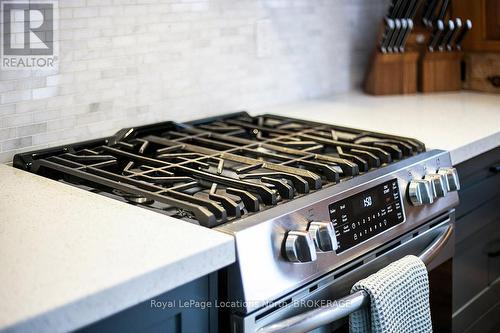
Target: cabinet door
470	269
172	312
480	182
476	272
493	252
489	322
476	264
485	16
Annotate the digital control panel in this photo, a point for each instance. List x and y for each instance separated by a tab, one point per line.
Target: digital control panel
366	214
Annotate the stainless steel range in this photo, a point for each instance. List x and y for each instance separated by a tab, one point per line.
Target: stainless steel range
313	207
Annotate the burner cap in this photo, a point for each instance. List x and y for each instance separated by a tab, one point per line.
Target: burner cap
134	198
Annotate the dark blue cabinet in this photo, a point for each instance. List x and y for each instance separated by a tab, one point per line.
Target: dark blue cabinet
476	272
182	310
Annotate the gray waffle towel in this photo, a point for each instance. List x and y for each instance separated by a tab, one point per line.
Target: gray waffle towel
399	300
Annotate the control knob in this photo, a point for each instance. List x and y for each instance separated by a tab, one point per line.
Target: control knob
323	236
439	184
451	175
299	247
420	192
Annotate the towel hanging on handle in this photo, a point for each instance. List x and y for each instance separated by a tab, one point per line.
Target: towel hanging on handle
399	300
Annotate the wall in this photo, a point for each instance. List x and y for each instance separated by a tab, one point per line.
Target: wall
130	62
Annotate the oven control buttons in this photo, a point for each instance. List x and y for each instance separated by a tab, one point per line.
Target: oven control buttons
451	176
323	235
299	247
439	184
420	192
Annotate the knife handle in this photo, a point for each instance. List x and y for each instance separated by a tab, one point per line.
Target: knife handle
458	28
414	10
401	10
407	34
428	16
444	9
393	8
463	33
407	9
447	35
388	32
436	35
401	34
394	35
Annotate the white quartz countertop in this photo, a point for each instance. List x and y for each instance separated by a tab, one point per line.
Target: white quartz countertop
466	124
69	257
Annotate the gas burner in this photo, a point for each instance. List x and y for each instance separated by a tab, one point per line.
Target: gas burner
222	169
133	198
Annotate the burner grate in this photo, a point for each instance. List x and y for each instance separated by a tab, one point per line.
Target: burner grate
219	170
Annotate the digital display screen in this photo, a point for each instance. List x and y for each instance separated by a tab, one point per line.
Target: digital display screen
366	202
366	214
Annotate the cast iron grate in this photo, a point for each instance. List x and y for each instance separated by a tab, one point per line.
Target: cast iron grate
218	170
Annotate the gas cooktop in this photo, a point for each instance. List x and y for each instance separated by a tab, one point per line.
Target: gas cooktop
220	169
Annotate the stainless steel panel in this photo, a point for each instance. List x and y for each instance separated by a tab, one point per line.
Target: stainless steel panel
347	305
339	282
262	273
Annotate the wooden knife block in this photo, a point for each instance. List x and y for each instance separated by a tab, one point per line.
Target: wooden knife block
392	74
440	71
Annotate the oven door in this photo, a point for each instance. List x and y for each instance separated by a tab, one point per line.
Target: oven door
303	310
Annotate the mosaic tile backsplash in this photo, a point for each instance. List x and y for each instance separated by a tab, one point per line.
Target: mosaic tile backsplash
132	62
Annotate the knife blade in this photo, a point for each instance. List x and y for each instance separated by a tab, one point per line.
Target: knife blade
467	26
446	36
436	35
389	30
394	36
401	35
431	9
406	35
443	10
458	27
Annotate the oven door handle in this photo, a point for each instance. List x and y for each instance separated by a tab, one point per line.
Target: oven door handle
343	307
430	253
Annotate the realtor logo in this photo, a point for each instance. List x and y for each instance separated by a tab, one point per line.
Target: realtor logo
28	34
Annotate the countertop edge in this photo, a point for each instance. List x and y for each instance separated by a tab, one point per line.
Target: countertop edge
88	310
475	148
